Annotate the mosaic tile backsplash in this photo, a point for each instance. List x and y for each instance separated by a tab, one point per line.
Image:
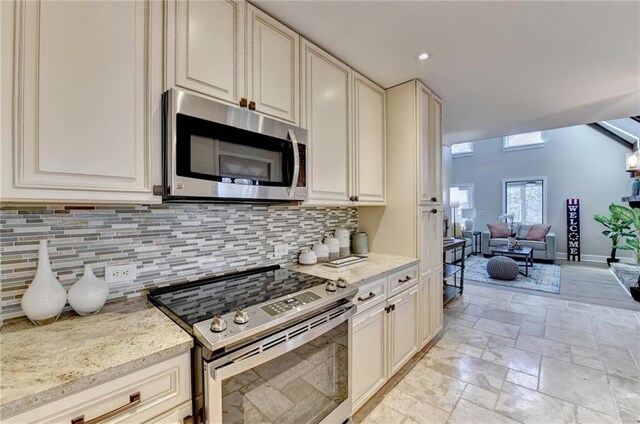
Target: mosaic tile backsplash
168	243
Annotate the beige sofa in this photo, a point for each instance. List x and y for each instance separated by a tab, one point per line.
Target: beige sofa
543	250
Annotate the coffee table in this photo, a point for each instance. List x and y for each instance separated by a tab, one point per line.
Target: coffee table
526	253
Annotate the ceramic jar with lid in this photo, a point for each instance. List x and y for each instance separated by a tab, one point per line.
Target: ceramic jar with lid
307	257
360	243
334	247
343	237
322	252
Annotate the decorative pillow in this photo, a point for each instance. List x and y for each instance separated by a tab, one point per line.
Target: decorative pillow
538	232
498	230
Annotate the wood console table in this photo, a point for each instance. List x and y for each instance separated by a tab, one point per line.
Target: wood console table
454	269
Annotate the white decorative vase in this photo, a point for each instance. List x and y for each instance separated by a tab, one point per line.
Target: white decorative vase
89	294
45	297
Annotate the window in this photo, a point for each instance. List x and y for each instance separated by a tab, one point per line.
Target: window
526	198
463	194
523	141
462	149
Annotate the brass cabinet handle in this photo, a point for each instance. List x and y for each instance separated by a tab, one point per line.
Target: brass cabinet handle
434	199
134	400
363	299
434	210
407	278
352	198
243	102
252	105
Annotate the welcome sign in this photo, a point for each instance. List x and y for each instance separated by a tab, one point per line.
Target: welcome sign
573	229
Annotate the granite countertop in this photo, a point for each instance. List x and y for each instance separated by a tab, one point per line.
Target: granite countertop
41	364
376	266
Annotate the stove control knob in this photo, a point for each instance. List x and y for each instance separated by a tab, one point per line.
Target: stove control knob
218	324
341	283
331	286
241	317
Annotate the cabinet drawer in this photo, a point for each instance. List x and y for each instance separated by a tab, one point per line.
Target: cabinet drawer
370	294
140	396
403	279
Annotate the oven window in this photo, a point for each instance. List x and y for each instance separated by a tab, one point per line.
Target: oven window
301	386
212	151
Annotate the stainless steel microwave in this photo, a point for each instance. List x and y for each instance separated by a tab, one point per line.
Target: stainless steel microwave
216	152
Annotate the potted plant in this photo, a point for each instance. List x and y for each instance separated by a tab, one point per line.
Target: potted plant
616	229
630	217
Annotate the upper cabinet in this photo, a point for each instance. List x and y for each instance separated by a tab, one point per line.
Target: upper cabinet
207	52
273	71
345	115
429	146
326	114
86	78
369	143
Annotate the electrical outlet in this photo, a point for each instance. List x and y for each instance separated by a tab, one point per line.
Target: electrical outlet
280	250
120	273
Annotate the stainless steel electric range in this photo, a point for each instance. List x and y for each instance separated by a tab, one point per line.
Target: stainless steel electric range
272	345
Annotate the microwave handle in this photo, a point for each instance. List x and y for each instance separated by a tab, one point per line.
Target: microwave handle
296	163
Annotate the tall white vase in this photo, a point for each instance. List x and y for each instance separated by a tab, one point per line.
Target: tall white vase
89	294
45	297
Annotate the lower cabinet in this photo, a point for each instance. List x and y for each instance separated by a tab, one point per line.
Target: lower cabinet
369	370
403	327
160	393
424	314
385	333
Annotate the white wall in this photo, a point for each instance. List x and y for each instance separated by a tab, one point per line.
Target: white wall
579	162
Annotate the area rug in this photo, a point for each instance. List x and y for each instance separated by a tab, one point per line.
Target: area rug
626	274
542	277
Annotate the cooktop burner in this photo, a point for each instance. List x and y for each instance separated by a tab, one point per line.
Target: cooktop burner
204	299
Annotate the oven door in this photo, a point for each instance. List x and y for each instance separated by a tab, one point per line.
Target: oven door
299	375
222	152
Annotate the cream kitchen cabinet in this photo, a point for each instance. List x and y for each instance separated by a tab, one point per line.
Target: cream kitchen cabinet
411	224
160	393
436	302
403	327
326	114
385	331
369	142
345	115
84	120
431	270
234	52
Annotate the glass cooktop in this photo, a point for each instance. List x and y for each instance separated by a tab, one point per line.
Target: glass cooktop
197	301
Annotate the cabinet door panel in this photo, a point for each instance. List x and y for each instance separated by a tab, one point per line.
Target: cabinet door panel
368	354
369	141
403	328
274	74
436	302
425	167
326	114
435	174
83	108
209	47
425	310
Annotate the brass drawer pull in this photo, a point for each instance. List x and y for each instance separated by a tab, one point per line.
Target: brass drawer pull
134	400
407	278
364	299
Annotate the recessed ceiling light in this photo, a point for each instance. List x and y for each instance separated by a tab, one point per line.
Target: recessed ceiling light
423	56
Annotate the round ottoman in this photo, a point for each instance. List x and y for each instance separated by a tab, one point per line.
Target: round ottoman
502	268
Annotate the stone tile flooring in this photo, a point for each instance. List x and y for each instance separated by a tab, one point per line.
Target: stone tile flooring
507	357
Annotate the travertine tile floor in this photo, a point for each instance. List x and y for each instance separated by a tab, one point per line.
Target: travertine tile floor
508	357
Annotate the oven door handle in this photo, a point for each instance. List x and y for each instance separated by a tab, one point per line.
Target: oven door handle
254	354
296	162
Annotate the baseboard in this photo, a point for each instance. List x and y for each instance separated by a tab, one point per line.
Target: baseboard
595	258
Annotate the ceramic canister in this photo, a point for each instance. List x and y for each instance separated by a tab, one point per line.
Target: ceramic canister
343	237
360	243
334	246
322	252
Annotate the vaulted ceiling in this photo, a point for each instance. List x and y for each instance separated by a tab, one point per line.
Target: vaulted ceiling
501	67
